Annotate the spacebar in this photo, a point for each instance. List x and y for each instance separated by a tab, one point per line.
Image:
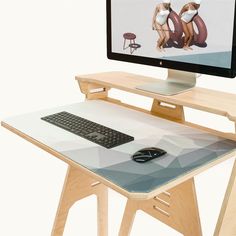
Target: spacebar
75	131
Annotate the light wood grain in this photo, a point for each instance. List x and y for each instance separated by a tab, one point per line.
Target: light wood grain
76	187
93	91
184	209
215	102
128	217
226	225
168	111
102	212
179	210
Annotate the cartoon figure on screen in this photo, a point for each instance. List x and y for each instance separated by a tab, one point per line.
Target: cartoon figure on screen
187	14
159	23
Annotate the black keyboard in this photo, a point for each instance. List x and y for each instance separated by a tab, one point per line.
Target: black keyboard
89	130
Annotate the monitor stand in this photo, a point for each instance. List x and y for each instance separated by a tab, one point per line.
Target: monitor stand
177	82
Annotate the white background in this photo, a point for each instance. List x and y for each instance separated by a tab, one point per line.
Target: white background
43	45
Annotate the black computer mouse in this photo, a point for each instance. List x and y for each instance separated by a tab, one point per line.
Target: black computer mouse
148	154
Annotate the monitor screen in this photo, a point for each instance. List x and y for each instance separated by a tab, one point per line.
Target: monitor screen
195	35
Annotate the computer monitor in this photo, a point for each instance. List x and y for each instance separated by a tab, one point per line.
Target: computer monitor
187	37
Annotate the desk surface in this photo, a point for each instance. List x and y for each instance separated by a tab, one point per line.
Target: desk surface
188	149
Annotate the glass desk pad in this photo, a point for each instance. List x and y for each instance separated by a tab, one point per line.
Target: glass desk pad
188	148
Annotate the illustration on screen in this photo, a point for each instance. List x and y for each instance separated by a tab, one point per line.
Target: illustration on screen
190	31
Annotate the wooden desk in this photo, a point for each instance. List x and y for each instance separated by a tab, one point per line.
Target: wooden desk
163	188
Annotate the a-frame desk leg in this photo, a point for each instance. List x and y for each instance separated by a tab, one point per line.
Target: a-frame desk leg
177	208
76	187
226	225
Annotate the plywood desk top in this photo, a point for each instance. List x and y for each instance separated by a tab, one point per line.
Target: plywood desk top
216	102
190	151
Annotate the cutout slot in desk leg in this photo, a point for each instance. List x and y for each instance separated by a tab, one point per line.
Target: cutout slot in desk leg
177	208
76	187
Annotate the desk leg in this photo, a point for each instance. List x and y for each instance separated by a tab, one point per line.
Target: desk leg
76	187
128	218
226	225
102	212
177	208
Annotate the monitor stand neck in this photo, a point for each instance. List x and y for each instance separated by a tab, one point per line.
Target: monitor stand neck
176	82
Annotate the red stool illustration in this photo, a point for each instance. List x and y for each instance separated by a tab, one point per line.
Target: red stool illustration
132	44
128	36
134	47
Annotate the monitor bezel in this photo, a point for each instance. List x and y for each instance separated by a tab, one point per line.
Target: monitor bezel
190	67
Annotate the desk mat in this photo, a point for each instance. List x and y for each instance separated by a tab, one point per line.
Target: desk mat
182	157
187	148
